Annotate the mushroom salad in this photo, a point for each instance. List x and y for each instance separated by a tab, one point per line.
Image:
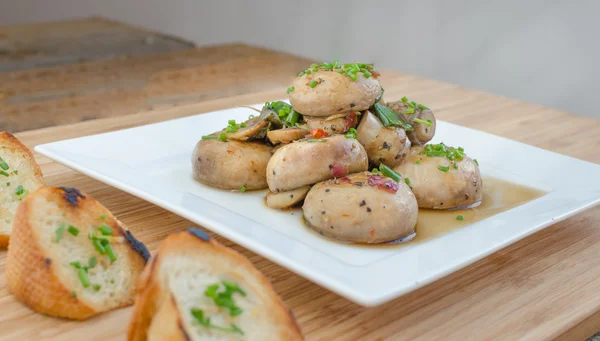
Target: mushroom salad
360	167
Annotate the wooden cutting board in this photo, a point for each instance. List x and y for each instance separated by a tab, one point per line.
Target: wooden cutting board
545	286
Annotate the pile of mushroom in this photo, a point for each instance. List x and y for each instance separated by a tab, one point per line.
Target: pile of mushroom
319	148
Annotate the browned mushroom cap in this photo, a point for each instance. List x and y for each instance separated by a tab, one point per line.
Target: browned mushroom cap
422	133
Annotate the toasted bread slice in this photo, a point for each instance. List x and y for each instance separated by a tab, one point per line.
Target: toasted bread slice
172	302
17	168
55	264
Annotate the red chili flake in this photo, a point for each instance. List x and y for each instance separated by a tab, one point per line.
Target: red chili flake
338	170
318	133
383	183
351	120
229	151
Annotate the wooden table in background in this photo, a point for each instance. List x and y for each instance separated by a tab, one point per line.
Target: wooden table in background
543	287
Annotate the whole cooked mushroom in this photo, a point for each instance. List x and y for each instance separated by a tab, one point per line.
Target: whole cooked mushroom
329	89
442	177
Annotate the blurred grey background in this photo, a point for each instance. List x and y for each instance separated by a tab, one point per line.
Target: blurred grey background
544	52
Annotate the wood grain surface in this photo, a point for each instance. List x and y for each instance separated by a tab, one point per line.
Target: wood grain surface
85	84
539	288
66	42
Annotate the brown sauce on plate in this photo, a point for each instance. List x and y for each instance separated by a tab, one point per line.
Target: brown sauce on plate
498	196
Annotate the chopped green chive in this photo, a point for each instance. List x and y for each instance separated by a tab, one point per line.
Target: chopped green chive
92	262
19	190
105	230
477	163
73	230
243	189
316	140
16	172
387	171
422	107
59	232
110	252
418	162
8	184
225	298
103	217
459	217
290	89
409	111
112	281
427	123
221	137
76	265
404	99
4	173
407	180
313	83
3	164
83	277
444	168
97	287
411	104
74	294
99	246
375	171
200	319
351	133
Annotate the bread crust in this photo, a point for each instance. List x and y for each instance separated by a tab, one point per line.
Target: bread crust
31	274
10	142
154	300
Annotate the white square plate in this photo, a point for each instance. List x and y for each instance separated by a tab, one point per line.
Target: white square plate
153	162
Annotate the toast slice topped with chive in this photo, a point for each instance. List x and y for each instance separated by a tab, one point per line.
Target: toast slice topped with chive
70	257
19	175
197	289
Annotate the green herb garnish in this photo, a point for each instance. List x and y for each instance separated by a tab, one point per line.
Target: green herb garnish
459	217
407	180
290	89
350	70
351	134
389	117
105	230
20	190
387	171
103	216
225	299
442	150
74	294
110	252
92	262
8	184
205	322
222	137
316	140
418	162
97	287
409	111
427	123
73	230
59	232
99	247
444	168
83	277
3	164
477	163
243	189
4	173
16	172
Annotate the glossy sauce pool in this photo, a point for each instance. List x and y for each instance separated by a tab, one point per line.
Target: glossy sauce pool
498	196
